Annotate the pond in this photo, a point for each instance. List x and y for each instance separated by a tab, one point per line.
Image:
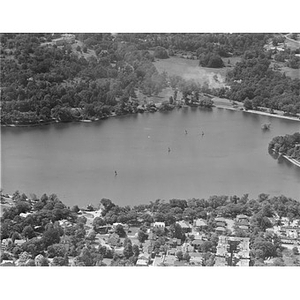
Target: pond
77	161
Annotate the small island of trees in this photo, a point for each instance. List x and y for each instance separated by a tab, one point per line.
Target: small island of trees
288	145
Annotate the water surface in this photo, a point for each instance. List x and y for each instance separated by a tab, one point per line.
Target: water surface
78	161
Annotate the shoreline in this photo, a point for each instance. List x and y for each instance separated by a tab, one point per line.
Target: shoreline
226	104
222	103
292	160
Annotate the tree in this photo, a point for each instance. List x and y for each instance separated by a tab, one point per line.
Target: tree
28	232
92	236
120	231
135	250
60	261
142	236
267	248
128	252
86	257
160	52
179	255
278	262
98	223
206	246
186	256
295	251
176	231
56	250
51	236
248	104
75	209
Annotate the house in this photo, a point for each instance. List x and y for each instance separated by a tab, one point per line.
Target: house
200	224
142	263
161	225
242	219
171	252
152	236
125	226
143	260
119	250
24	215
220	222
244	226
173	243
289	231
180	263
185	226
104	228
186	247
242	222
5	243
7	263
290	241
65	223
195	259
220	230
19	242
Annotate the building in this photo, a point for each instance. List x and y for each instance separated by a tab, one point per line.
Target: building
220	222
187	247
289	231
161	225
185	226
220	230
242	219
200	224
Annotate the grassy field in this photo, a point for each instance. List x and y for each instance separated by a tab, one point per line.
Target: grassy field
162	96
292	73
190	69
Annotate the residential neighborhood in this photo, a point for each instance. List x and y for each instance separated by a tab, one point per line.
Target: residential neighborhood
87	236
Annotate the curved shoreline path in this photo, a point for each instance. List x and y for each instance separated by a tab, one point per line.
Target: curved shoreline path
227	104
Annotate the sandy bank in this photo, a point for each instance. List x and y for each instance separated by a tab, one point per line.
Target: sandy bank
227	104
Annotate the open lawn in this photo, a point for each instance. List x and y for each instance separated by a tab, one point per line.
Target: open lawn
292	73
289	258
190	69
162	96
